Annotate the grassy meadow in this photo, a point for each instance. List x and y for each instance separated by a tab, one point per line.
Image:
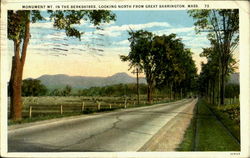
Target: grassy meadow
47	107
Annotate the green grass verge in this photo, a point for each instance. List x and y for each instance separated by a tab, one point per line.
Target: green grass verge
41	118
189	137
229	115
210	136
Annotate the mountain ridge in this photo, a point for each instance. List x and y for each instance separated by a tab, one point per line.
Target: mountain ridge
82	82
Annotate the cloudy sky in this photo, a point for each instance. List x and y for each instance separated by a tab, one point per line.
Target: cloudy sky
97	53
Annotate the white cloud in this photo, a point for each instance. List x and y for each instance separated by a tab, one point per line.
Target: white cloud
112	33
82	23
115	31
56	35
196	42
174	30
47	18
46	25
124	42
138	26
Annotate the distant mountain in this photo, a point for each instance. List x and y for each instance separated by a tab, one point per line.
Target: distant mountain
234	78
80	82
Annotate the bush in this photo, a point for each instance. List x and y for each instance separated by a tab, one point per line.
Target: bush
233	111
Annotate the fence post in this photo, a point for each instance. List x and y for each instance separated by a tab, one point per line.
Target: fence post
30	112
82	106
61	109
110	106
125	103
99	106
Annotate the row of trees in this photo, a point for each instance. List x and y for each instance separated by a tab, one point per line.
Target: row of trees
164	60
34	87
222	27
66	91
113	90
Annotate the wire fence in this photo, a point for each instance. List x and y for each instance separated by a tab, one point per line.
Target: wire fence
37	106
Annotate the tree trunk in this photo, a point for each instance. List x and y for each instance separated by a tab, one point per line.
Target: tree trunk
213	101
16	85
150	89
137	86
171	88
18	61
16	92
181	93
222	88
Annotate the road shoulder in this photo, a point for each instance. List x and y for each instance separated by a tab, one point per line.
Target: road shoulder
170	136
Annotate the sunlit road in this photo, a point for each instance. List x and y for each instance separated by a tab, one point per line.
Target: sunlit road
122	130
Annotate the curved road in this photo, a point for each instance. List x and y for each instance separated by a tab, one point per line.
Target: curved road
121	130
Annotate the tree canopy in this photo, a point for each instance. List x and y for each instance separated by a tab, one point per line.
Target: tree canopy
163	59
222	26
33	87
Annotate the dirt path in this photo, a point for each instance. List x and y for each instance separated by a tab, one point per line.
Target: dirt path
170	136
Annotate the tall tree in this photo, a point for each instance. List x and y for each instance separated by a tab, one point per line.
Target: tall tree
210	72
176	66
33	87
209	76
67	90
141	56
19	32
222	26
163	59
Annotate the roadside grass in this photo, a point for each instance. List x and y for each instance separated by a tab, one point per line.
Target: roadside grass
188	141
210	134
41	117
229	115
87	110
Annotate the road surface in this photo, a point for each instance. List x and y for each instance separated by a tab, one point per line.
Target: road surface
121	130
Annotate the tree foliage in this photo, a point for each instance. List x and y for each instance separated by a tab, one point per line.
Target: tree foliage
177	67
232	90
117	90
209	77
222	26
19	32
141	56
67	90
33	87
163	59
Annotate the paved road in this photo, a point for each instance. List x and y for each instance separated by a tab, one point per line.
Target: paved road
123	130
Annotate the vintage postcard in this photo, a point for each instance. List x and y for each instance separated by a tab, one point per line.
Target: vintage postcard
125	78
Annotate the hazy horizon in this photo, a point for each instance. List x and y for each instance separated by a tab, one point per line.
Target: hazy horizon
131	75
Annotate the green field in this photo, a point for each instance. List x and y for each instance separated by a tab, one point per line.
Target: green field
47	107
207	132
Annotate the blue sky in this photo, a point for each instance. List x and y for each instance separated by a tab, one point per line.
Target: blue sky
97	54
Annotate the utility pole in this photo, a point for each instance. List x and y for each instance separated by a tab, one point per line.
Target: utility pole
137	71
